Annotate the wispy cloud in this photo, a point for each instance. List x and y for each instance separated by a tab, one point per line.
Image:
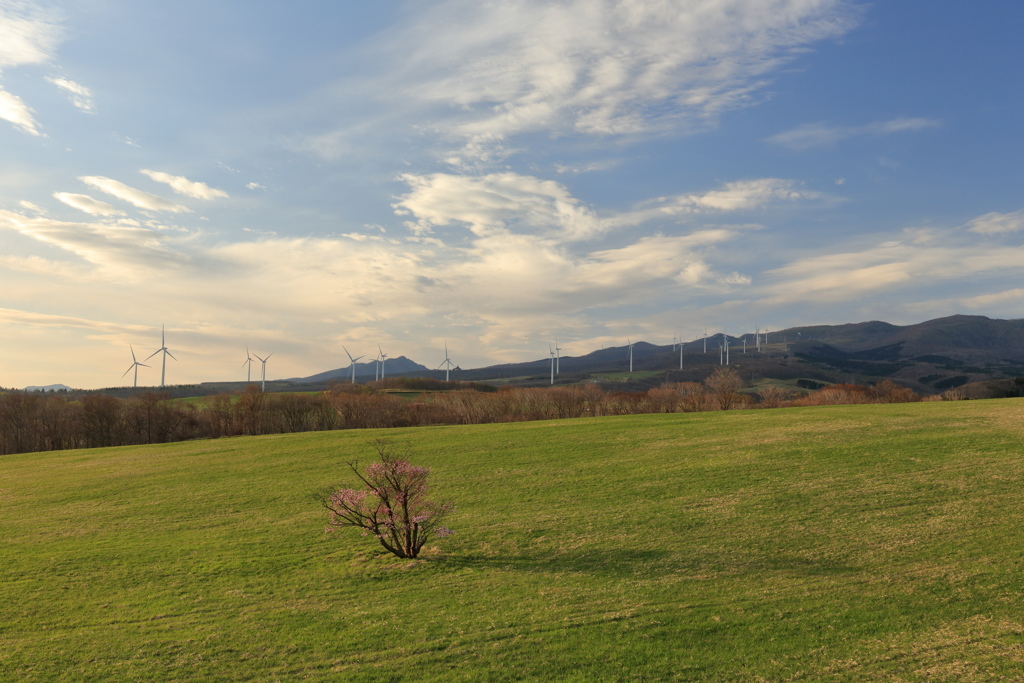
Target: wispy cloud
183	185
80	95
917	261
84	202
997	223
14	110
135	197
490	71
28	34
509	201
122	249
823	135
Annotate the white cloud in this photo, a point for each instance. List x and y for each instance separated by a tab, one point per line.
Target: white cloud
586	168
915	263
137	198
997	223
509	201
80	95
254	186
14	110
28	34
811	135
596	67
31	207
494	203
187	187
84	202
118	249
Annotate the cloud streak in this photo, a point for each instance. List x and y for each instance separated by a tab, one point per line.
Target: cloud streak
84	202
183	185
825	136
80	95
503	202
15	111
135	197
995	223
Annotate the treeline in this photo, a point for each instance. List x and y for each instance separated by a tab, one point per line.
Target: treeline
44	422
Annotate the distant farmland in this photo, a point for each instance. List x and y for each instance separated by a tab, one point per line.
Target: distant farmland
831	543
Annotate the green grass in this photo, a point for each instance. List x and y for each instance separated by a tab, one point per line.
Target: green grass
840	543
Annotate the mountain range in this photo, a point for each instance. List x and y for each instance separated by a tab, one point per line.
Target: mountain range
928	357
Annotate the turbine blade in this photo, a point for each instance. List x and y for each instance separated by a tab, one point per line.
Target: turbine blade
169	354
152	354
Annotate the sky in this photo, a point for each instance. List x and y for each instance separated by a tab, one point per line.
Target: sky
303	178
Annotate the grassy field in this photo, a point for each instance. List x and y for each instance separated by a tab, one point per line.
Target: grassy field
880	542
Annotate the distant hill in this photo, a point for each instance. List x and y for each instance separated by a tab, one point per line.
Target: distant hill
392	368
50	387
928	357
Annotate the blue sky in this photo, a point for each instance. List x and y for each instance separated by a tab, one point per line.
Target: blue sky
294	178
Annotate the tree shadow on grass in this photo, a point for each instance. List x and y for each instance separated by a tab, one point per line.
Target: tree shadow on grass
647	563
619	563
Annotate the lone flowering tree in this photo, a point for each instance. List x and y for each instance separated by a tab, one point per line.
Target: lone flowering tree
392	505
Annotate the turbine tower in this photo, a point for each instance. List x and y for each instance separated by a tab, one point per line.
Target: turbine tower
447	363
680	350
630	355
162	349
551	351
263	376
248	361
135	365
558	357
352	362
383	357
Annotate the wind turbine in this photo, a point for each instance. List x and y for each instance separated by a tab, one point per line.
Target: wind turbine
551	351
135	365
447	363
383	357
705	339
630	354
248	361
162	349
558	357
680	351
352	362
263	387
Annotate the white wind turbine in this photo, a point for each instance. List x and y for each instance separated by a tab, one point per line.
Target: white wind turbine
447	363
352	362
558	358
630	354
680	351
135	365
263	375
162	349
551	351
248	361
382	357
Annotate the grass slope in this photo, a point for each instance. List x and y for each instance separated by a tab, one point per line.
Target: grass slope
840	543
